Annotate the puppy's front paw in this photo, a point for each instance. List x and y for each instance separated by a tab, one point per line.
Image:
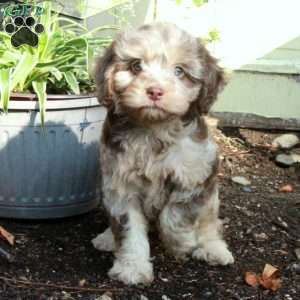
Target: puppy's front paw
214	253
132	272
104	241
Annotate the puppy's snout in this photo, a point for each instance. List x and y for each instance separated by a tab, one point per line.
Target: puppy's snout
155	93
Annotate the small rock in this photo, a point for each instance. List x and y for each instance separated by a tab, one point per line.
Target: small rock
82	282
164	297
285	141
143	297
296	268
296	157
261	250
297	252
241	180
285	159
248	230
247	189
187	295
226	220
207	294
282	223
260	236
106	296
66	296
23	278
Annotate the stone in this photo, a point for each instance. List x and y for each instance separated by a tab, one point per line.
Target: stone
285	141
164	297
226	220
247	189
106	296
296	267
295	157
260	236
285	159
297	252
241	180
143	297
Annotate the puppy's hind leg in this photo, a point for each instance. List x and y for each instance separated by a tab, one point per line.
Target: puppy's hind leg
189	224
176	225
104	241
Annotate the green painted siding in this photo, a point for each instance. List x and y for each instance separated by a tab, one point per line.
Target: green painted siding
270	87
269	95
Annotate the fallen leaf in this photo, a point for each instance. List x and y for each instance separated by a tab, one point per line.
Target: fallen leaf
271	283
270	278
252	279
4	234
286	188
269	271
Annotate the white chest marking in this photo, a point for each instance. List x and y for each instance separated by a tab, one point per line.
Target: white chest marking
191	162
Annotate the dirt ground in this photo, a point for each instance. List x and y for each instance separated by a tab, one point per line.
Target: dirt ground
55	259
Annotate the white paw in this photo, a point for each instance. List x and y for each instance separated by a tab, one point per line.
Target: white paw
104	241
214	253
132	272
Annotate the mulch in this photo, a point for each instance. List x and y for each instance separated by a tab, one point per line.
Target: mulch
55	259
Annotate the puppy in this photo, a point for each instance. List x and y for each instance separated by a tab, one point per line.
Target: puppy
158	162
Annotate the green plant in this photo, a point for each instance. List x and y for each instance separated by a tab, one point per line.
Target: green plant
195	2
60	63
212	36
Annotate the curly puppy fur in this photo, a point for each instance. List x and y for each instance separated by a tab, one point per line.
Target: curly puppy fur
158	162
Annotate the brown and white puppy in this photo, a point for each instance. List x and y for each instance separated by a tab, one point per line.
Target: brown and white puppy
158	161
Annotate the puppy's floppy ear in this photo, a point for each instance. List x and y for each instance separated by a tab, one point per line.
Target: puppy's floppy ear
103	76
213	81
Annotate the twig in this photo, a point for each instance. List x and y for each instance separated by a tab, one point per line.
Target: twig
6	255
238	152
57	286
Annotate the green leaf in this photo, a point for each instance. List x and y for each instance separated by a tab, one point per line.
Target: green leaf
39	88
72	82
68	68
55	62
23	68
38	73
101	28
77	42
4	35
5	87
56	73
89	58
214	35
9	57
199	2
70	23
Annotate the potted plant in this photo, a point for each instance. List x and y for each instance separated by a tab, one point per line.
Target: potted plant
49	161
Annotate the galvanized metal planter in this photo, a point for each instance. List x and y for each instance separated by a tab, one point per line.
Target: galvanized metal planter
49	172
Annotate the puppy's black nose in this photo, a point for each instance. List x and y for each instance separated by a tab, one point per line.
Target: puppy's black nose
155	93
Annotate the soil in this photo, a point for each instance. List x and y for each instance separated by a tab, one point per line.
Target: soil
55	259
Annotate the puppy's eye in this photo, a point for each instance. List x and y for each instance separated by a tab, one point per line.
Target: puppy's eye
179	72
136	66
